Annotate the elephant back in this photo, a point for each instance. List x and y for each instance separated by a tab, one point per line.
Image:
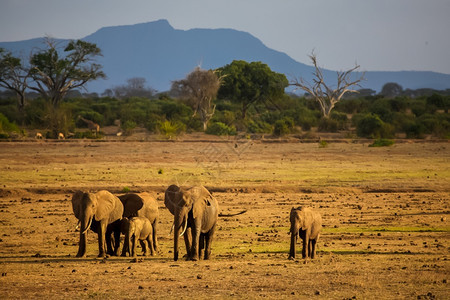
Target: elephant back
149	209
142	205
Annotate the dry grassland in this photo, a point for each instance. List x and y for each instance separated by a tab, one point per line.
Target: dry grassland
386	216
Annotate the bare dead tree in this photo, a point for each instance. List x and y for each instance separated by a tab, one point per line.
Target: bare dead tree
199	89
322	93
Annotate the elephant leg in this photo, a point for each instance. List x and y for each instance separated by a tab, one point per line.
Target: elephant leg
133	246
313	248
144	247
101	239
116	242
188	242
150	245
195	240
126	247
305	237
309	247
109	242
304	248
208	242
201	244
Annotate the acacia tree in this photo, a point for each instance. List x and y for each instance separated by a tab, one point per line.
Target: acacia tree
199	89
326	96
135	87
250	83
54	74
391	90
13	76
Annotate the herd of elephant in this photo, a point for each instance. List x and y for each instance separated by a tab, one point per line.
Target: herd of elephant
195	213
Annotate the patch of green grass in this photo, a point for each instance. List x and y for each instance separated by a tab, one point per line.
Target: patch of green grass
382	143
384	229
323	144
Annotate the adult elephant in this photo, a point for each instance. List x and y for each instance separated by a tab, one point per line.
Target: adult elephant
307	224
141	205
101	212
195	213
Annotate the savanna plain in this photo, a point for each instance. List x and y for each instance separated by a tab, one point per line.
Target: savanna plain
386	232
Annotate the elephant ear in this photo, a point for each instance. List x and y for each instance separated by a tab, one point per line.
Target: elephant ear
131	204
199	195
76	204
171	197
108	207
307	219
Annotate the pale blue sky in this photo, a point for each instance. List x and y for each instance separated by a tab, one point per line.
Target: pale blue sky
388	35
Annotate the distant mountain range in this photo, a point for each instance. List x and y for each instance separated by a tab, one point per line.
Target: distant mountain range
160	54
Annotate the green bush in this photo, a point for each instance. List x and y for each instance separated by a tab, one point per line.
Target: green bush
371	126
128	127
414	130
283	126
328	125
341	119
83	135
323	144
382	143
280	128
171	129
258	127
6	126
219	128
226	117
436	124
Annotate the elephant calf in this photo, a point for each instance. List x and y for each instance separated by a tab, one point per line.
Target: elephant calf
137	228
307	224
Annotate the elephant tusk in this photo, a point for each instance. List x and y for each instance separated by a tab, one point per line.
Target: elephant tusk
88	226
171	228
185	226
78	225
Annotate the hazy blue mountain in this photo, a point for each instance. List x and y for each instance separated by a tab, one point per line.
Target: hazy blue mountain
161	54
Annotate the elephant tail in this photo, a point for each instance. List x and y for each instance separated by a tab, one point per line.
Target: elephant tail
232	215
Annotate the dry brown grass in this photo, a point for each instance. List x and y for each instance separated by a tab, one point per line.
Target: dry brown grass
385	211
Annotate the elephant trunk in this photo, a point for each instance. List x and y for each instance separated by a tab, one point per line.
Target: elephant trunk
85	224
294	235
178	222
130	246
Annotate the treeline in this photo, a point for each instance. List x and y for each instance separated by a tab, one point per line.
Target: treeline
370	117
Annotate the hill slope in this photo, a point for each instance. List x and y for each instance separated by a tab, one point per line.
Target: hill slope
161	54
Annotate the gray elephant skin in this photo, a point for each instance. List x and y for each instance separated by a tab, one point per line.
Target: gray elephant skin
141	205
307	224
101	212
138	229
195	213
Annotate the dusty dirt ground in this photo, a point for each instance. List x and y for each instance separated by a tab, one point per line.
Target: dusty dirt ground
385	211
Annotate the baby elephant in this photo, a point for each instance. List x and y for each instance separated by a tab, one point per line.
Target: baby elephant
137	228
306	223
